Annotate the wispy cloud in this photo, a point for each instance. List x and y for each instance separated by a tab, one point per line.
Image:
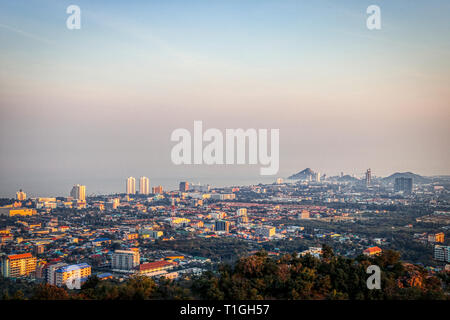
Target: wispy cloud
144	35
26	34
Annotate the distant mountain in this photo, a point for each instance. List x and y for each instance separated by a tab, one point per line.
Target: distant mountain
416	178
304	174
346	178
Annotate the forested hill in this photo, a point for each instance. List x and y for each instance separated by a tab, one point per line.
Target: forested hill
263	277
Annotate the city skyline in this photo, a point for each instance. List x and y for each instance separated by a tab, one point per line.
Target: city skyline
114	185
175	184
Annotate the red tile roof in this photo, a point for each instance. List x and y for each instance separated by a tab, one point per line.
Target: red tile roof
373	250
154	265
20	256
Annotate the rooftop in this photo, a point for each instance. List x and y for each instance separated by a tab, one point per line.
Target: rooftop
154	265
20	256
73	267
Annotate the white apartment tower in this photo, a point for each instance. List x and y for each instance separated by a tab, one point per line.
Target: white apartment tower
20	195
131	185
78	192
144	185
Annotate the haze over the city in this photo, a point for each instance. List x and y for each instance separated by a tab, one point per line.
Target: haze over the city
96	105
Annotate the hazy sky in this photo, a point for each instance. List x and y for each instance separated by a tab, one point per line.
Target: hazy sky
96	105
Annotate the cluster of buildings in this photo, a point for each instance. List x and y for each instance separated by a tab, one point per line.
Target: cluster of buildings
123	263
144	186
25	265
65	239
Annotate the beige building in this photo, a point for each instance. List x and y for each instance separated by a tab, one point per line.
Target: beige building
18	265
125	259
78	192
75	273
154	268
131	185
11	212
157	190
144	185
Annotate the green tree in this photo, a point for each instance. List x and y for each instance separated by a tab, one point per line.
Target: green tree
49	292
137	288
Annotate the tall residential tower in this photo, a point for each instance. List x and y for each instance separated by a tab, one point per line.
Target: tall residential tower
144	185
131	185
78	192
368	177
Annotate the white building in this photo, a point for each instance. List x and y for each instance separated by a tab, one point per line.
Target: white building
50	272
131	185
223	196
442	253
144	185
125	259
78	192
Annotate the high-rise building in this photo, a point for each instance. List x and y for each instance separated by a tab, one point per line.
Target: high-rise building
125	259
442	253
221	225
131	185
18	265
20	195
184	186
157	190
436	237
403	184
144	185
368	177
78	192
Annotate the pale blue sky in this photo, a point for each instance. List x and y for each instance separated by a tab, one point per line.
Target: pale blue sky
96	105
